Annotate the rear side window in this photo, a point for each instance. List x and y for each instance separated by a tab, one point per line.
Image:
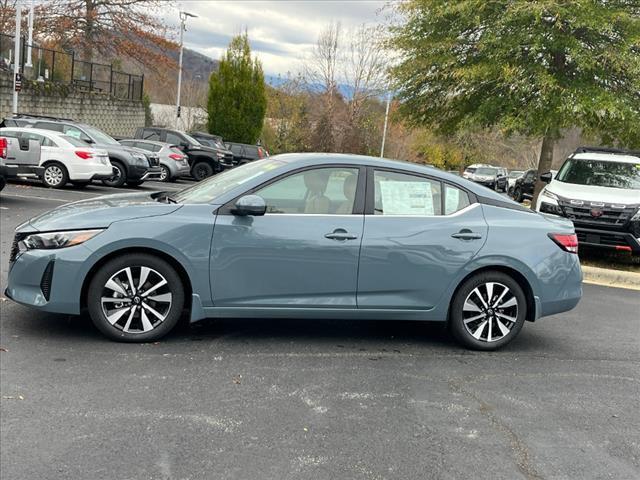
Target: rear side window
251	152
454	199
150	135
56	127
404	194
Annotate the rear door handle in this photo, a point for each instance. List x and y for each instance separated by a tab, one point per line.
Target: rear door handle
340	234
466	234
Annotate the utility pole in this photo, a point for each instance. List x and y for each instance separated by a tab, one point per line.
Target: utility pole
16	57
386	120
31	12
183	19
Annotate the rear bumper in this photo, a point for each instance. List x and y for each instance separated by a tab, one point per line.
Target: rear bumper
15	171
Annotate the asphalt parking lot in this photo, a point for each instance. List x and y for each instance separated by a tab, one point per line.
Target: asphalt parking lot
314	399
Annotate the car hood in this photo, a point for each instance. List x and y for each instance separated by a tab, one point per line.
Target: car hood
100	212
590	193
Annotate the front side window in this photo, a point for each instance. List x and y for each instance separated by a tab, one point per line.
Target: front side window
404	194
321	191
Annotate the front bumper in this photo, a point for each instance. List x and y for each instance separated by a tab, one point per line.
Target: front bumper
615	240
152	173
48	279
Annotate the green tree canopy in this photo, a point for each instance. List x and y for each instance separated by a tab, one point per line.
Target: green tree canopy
532	67
237	100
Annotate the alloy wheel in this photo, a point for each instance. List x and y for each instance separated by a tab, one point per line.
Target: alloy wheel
136	299
164	174
53	175
490	311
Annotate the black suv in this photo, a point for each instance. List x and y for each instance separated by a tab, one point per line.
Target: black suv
215	141
203	159
130	165
245	153
524	186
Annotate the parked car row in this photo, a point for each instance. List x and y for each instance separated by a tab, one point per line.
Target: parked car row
490	176
47	148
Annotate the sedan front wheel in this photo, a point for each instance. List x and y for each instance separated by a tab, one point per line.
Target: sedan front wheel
135	298
488	311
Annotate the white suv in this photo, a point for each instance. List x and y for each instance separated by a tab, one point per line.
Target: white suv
599	190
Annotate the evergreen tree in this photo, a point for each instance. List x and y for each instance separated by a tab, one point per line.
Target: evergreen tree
237	100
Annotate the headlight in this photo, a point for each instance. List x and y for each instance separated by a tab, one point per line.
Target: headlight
51	240
139	158
550	195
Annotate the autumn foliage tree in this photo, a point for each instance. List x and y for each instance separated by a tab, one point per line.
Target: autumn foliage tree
529	67
107	28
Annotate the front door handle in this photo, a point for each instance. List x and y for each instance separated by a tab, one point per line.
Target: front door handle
340	234
466	234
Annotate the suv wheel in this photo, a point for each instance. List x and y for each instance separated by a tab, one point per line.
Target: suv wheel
201	170
119	175
55	175
135	298
488	311
517	195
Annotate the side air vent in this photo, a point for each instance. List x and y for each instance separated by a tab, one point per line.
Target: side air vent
45	283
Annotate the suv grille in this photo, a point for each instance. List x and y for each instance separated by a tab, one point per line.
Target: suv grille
597	214
154	160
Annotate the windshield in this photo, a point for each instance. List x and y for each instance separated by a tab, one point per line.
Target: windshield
208	190
515	174
191	140
600	174
485	171
99	136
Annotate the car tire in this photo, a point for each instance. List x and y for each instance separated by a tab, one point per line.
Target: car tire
201	170
487	311
165	174
55	175
517	195
119	177
3	183
135	183
153	316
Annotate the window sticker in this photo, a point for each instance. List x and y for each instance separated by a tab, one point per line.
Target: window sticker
406	198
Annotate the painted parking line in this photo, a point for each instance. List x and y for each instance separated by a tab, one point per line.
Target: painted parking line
15	195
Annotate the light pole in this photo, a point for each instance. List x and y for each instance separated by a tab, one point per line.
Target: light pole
28	63
386	120
183	19
16	56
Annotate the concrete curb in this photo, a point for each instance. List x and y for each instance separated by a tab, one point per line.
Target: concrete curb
611	278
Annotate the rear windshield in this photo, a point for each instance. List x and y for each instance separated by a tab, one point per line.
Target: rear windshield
600	174
470	170
76	142
486	171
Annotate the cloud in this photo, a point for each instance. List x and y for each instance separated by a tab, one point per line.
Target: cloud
281	32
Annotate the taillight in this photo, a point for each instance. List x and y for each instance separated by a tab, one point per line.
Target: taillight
260	153
3	147
567	242
175	156
84	154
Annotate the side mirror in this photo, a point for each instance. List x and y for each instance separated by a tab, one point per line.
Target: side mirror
253	205
546	177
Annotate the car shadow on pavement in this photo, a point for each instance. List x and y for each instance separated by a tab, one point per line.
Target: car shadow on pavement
358	335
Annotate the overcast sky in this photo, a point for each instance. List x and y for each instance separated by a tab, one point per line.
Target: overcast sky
281	32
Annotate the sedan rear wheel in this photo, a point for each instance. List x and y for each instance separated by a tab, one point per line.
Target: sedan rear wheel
55	175
135	298
488	311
